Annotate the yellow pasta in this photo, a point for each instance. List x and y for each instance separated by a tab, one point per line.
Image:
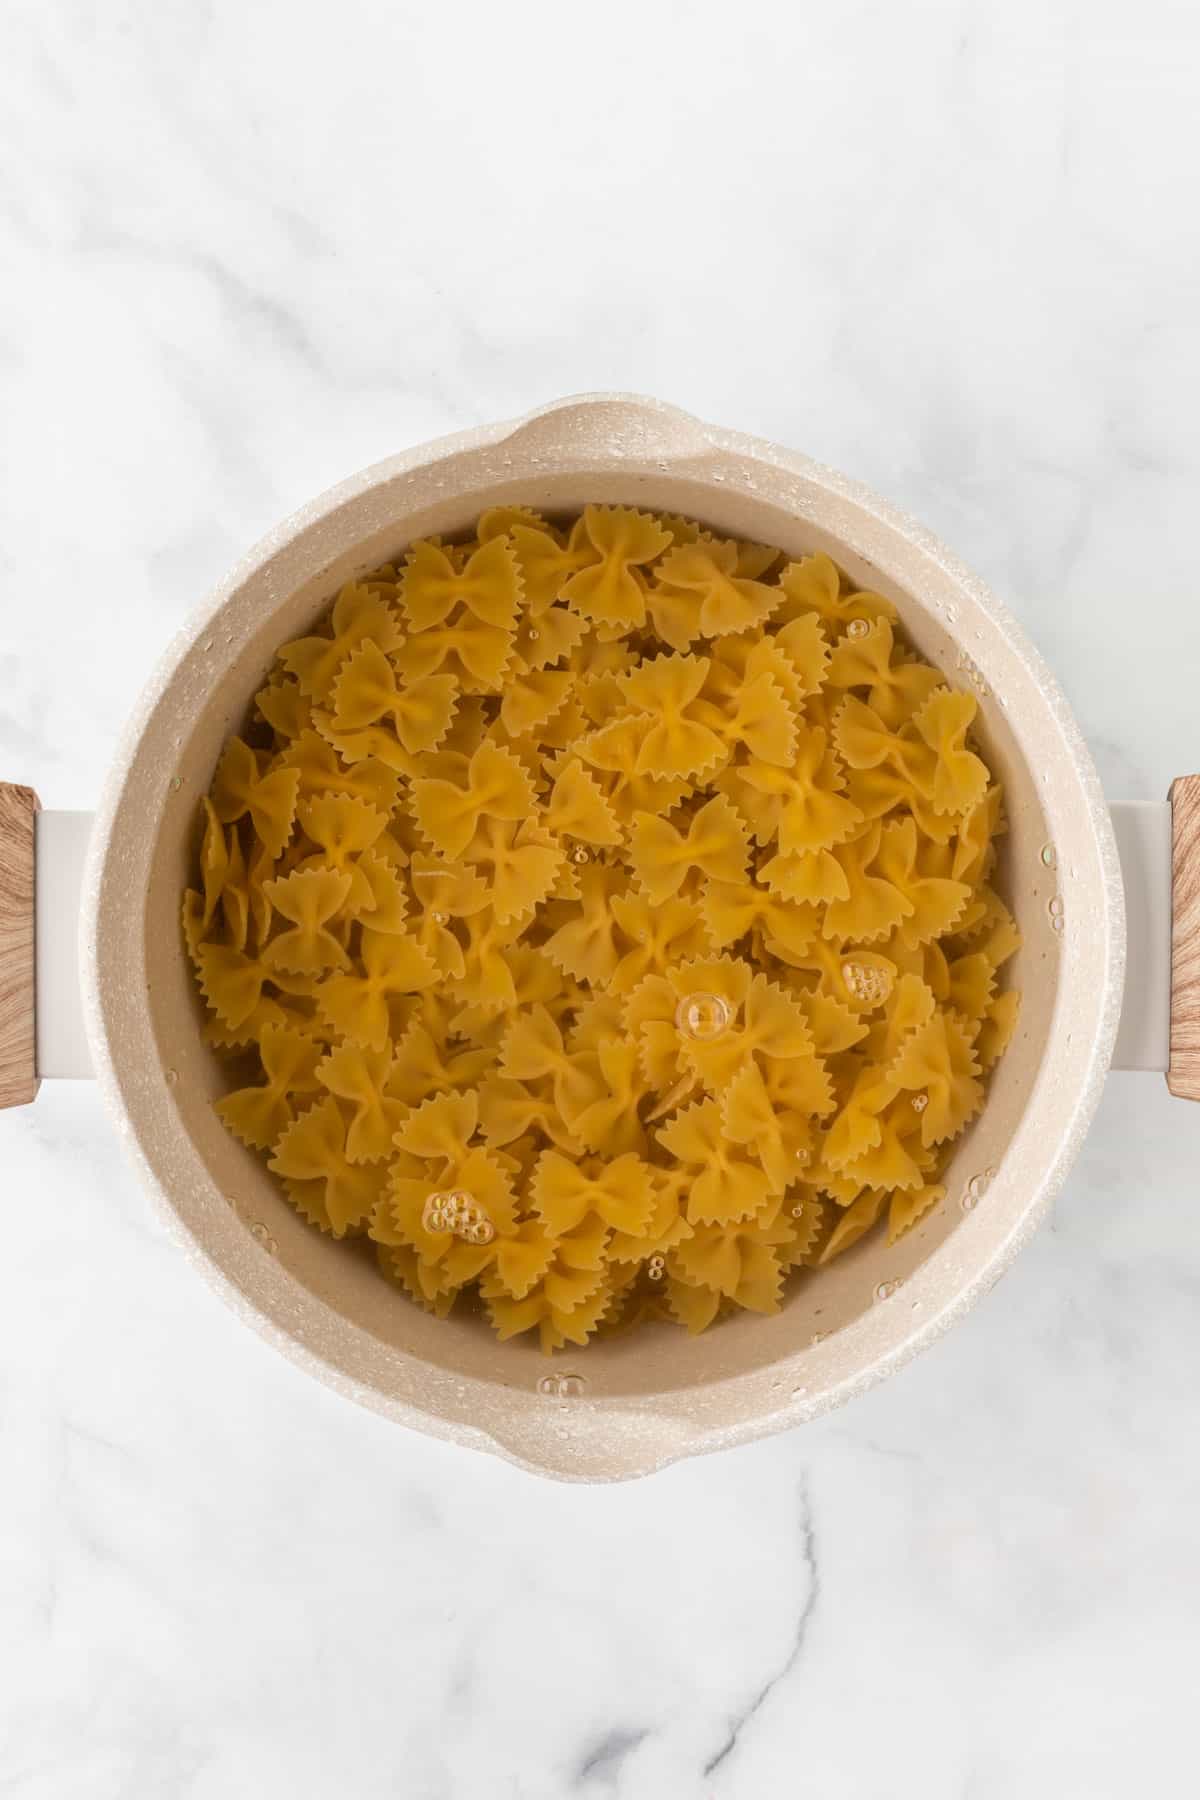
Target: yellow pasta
602	915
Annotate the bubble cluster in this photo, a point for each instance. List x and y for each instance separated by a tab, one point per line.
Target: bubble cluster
866	983
973	674
561	1387
457	1212
656	1268
975	1190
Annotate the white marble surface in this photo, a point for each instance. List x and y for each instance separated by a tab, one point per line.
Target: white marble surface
247	248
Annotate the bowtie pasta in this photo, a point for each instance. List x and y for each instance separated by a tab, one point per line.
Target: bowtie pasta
599	915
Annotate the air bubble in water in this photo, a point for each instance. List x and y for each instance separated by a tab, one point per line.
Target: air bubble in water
435	1214
579	854
656	1268
1049	856
561	1387
857	628
703	1016
975	1190
886	1289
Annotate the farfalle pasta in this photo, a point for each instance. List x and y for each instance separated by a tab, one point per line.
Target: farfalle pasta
601	918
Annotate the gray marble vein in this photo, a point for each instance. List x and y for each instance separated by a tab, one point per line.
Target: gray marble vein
808	1559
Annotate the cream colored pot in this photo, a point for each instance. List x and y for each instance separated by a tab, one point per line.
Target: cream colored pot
628	1405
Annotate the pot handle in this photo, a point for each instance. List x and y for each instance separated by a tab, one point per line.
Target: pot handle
1183	1074
613	424
19	807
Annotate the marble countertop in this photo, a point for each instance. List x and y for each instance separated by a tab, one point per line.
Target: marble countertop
948	247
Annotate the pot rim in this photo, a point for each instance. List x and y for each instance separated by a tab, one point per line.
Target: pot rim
658	1433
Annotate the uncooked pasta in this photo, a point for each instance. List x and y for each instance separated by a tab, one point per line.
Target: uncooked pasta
600	914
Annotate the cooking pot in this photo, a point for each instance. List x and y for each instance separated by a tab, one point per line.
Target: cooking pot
94	975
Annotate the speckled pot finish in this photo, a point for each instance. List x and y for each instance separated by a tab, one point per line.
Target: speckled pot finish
628	1405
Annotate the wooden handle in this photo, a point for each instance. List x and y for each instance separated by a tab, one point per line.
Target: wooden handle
18	1068
1183	1076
